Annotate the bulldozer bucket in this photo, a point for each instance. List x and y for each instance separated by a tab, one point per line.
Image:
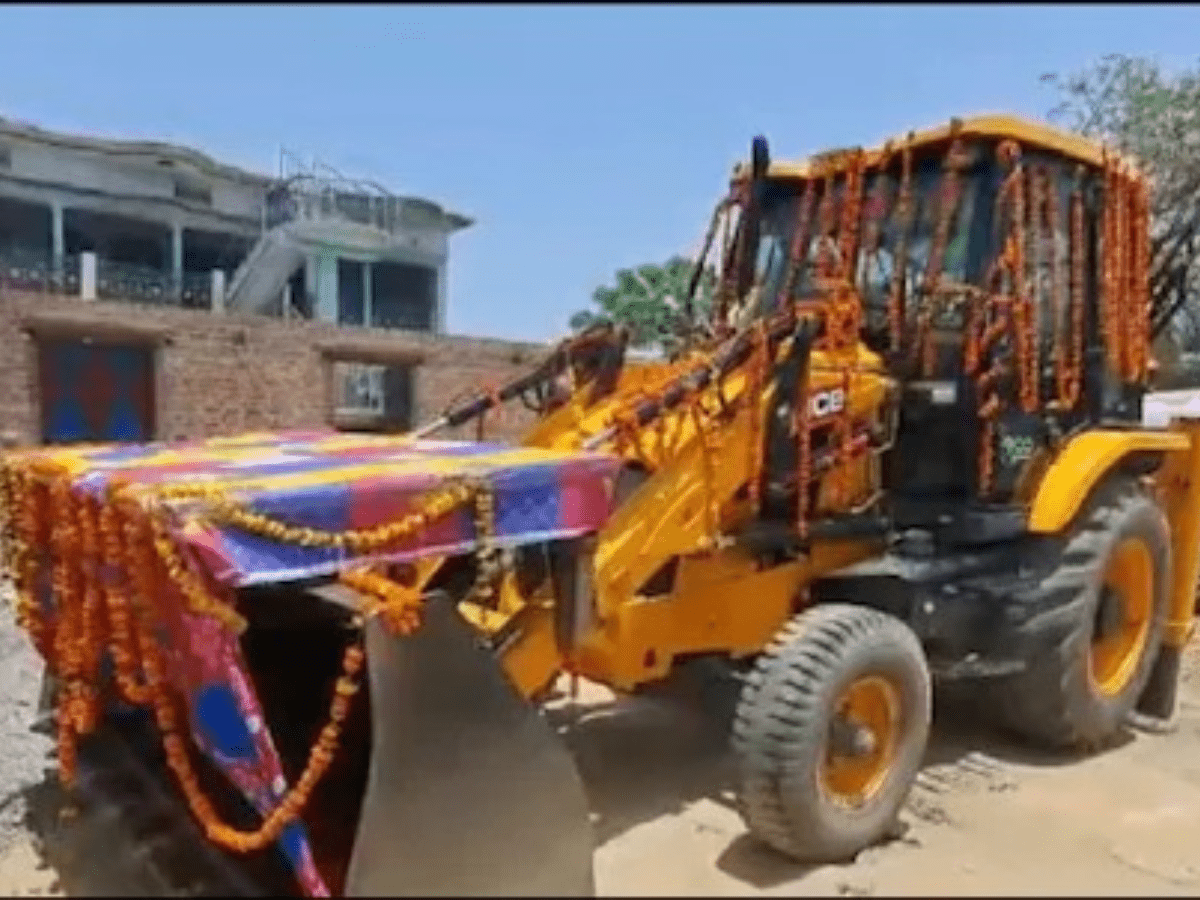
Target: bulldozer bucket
470	791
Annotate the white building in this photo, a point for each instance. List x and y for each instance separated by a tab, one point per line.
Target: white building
154	222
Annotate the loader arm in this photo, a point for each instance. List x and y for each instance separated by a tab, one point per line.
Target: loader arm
697	456
669	580
584	413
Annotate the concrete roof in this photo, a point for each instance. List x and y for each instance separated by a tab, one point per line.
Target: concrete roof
152	151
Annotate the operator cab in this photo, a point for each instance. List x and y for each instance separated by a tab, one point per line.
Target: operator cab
940	216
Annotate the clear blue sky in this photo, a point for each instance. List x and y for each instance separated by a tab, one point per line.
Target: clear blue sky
581	138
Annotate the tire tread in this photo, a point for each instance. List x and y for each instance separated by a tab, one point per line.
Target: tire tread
782	713
1042	703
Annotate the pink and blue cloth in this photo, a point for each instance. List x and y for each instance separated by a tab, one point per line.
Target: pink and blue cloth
333	482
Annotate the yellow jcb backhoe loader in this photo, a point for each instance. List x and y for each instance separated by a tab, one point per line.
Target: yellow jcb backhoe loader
904	444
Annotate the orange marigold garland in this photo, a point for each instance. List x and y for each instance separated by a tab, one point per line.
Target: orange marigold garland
487	557
137	552
23	558
199	600
93	540
398	606
126	654
91	626
8	511
68	652
224	510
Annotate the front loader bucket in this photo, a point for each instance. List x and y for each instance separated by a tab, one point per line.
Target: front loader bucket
469	790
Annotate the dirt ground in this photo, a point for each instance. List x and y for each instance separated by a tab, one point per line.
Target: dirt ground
986	818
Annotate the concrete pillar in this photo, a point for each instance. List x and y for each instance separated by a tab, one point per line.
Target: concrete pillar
218	290
368	293
87	275
58	240
310	284
286	306
327	286
439	313
177	260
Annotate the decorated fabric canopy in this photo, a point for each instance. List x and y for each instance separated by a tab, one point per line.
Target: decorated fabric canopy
336	482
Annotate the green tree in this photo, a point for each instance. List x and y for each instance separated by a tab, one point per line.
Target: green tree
1133	105
649	300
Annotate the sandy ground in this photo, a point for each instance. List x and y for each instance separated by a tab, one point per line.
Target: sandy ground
986	818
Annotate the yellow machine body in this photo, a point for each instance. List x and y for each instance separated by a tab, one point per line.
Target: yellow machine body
721	599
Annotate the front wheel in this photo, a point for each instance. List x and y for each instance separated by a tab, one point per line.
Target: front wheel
830	731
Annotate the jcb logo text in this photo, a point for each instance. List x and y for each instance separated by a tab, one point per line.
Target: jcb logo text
826	403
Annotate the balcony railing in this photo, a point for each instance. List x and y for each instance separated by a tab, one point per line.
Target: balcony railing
29	269
26	269
140	284
197	290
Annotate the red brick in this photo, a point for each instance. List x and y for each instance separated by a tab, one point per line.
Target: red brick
224	374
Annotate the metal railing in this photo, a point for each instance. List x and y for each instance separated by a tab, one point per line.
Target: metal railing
196	291
140	284
316	191
31	269
409	313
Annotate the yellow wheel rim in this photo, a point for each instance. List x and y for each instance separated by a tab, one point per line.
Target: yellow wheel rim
870	706
1130	580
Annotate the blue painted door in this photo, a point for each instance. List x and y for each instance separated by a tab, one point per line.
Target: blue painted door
94	391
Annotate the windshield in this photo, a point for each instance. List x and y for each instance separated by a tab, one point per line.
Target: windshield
880	233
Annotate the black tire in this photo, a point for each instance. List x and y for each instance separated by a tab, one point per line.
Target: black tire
1056	701
783	722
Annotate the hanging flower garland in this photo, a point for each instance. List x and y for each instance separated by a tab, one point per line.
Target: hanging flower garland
8	514
222	509
92	636
110	560
126	654
26	518
398	606
292	805
68	655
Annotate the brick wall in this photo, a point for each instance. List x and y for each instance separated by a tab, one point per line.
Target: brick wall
223	374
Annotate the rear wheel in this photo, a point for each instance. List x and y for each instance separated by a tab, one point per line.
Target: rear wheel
1111	585
830	731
